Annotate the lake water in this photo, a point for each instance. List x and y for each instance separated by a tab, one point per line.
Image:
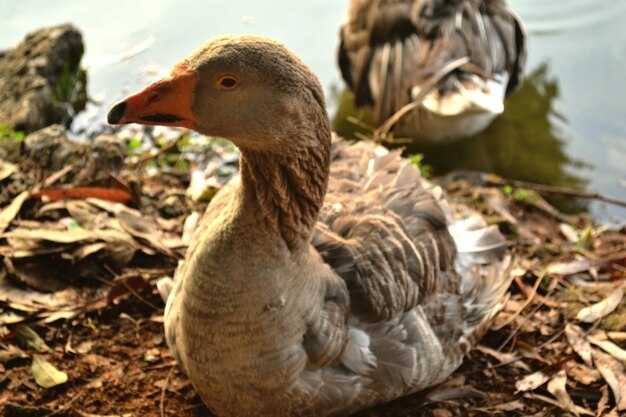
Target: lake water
566	126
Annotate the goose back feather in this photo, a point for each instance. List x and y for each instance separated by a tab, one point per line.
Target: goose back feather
459	58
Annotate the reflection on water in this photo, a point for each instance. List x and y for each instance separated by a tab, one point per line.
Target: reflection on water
524	143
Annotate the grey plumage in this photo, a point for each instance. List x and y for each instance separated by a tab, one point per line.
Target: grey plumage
325	278
390	50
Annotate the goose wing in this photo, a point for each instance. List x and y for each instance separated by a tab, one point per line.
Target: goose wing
391	49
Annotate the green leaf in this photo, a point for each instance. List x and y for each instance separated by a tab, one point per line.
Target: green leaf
46	375
6	131
134	144
418	160
586	238
30	338
74	225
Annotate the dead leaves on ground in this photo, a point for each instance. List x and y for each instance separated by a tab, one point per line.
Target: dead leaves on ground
568	325
65	250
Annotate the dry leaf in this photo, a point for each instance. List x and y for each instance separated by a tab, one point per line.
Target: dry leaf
603	308
578	342
610	348
582	373
548	400
569	267
501	356
6	169
603	403
30	338
529	351
142	228
109	194
69	236
532	381
83	414
568	231
556	387
613	373
46	375
8	213
11	352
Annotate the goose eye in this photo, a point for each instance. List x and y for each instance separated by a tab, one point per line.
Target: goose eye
227	82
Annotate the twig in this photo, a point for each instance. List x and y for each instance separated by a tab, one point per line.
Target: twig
65	406
381	133
550	189
128	287
528	292
526	303
145	158
165	385
47	183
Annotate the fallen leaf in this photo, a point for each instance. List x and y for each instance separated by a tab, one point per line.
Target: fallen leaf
133	284
109	194
582	373
46	375
30	338
441	412
83	414
568	231
510	406
11	352
614	336
578	342
610	348
8	213
189	227
613	373
452	393
500	356
142	228
548	400
603	308
531	382
6	169
69	236
152	355
569	267
586	238
529	351
556	387
603	403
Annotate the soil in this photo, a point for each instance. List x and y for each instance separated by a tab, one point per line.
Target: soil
119	365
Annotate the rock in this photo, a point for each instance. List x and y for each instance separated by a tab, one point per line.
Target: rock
51	150
38	79
11	149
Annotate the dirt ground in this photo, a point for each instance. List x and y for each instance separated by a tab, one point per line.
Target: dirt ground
542	357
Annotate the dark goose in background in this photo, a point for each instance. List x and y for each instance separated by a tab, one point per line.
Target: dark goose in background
467	54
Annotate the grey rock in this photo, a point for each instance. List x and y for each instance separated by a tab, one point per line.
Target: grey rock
51	150
38	79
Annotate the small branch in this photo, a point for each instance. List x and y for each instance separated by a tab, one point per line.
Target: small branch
380	134
166	148
549	189
163	390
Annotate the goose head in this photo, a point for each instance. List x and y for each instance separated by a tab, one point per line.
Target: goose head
250	90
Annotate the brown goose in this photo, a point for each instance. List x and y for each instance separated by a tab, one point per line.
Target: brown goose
326	279
456	59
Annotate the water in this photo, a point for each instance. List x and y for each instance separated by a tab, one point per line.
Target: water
566	126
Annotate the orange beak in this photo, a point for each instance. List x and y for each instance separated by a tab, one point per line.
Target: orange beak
166	102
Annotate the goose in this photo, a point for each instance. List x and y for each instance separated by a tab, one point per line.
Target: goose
329	276
445	65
